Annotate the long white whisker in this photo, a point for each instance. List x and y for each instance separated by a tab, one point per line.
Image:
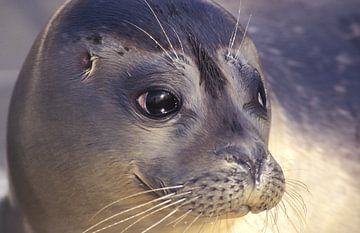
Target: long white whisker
162	28
149	214
297	229
136	195
128	210
131	217
214	226
295	207
234	33
244	36
275	219
160	221
152	38
207	221
297	183
179	219
192	223
265	222
178	37
299	199
227	222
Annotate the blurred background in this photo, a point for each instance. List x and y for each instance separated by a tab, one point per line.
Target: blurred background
310	51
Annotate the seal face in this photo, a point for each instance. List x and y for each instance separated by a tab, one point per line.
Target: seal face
158	104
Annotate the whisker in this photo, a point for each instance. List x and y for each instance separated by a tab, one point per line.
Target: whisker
131	217
151	213
274	217
276	210
230	226
266	221
172	204
297	183
138	206
277	218
234	33
160	221
203	225
294	170
244	36
219	225
202	228
295	206
152	38
283	208
249	223
299	199
298	230
234	230
192	223
178	37
128	210
215	223
162	28
227	222
135	195
179	219
271	221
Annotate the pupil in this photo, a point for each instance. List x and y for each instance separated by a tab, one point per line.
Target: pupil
160	102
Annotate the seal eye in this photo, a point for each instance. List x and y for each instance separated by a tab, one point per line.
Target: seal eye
261	96
158	103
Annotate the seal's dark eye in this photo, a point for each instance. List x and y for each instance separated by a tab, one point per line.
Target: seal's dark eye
261	96
158	103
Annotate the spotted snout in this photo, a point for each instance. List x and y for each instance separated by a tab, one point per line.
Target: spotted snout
246	182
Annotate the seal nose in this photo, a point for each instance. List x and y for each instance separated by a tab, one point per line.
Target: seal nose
254	162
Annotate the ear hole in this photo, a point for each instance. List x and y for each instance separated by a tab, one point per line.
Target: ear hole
86	62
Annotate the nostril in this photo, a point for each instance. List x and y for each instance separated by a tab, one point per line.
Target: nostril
239	160
229	158
254	163
259	164
234	154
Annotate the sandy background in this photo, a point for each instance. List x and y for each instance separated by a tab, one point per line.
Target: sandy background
310	50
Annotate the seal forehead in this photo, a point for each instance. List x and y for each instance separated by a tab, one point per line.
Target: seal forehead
131	20
186	25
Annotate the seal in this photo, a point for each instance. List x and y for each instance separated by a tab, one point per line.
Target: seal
131	116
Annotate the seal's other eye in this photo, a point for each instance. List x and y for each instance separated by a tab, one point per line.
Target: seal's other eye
158	103
261	96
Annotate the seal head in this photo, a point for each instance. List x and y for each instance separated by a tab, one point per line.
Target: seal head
121	97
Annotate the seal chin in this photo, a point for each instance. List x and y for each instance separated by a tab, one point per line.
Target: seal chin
241	211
